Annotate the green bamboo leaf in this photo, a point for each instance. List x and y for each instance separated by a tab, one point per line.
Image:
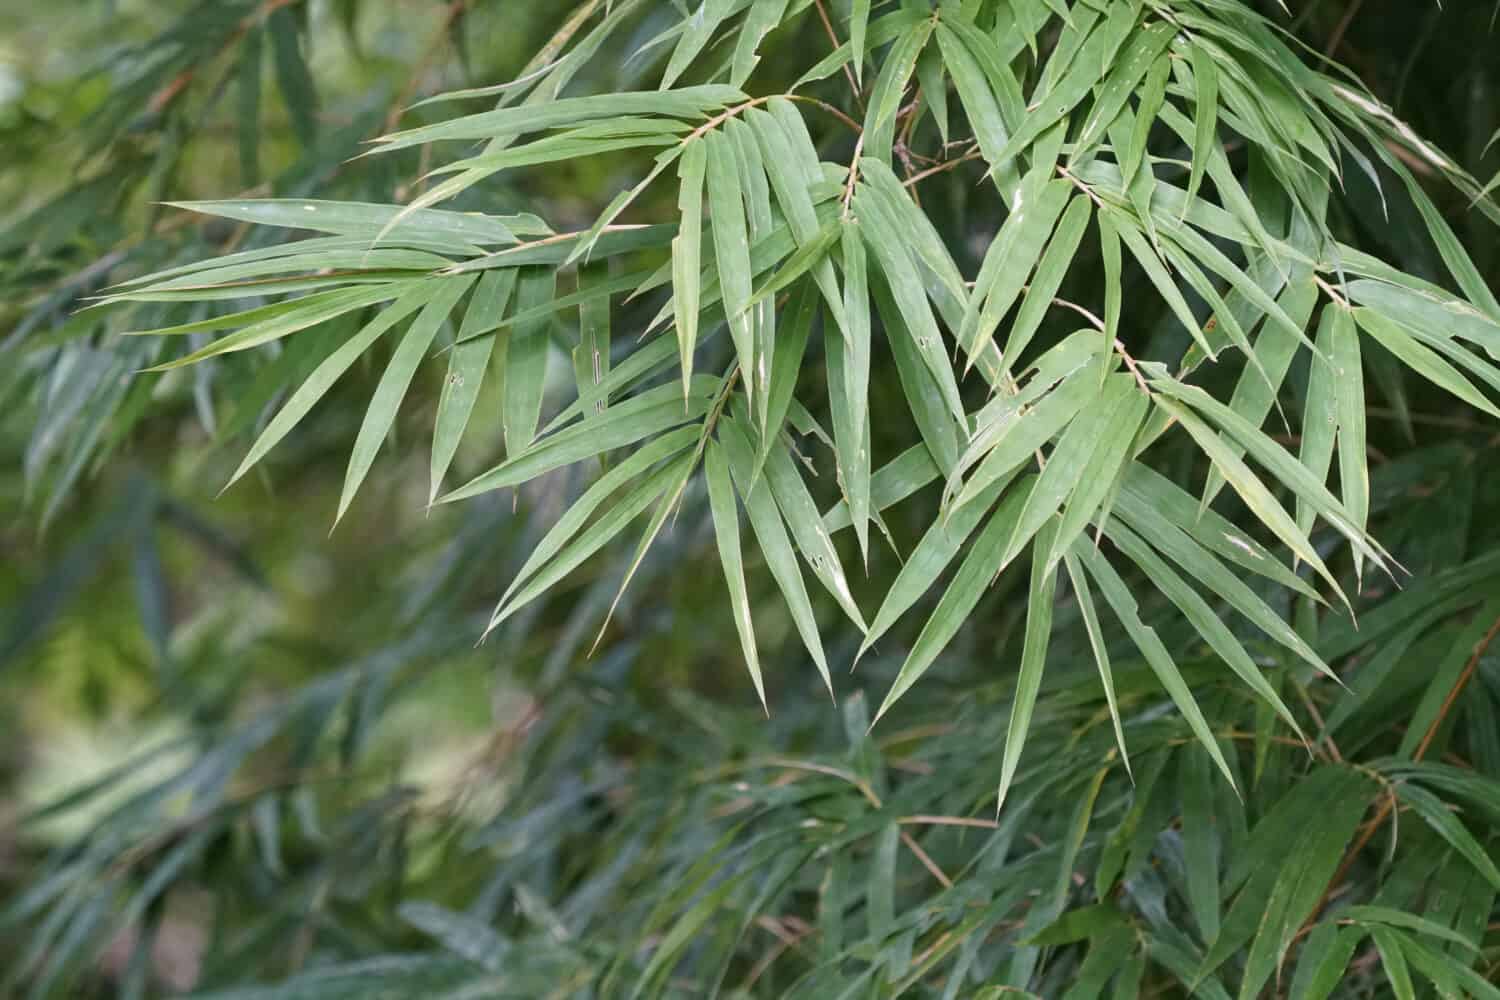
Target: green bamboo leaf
1252	491
1069	461
975	93
592	357
851	440
1206	110
642	416
764	17
1318	815
1349	404
466	367
1095	57
770	532
1050	271
284	324
594	537
1126	71
1039	599
1099	647
939	544
801	515
941	433
1118	596
1175	543
726	518
292	75
458	230
979	567
1201	840
1021	437
576	145
859	24
1007	262
1421	310
1203	618
697	30
757	194
1152	96
1096	487
329	371
1445	824
907	291
683	102
1386	916
801	313
890	85
687	255
1393	960
530	343
1255	391
732	251
792	167
393	385
605	487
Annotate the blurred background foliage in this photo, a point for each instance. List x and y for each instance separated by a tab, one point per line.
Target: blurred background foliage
235	748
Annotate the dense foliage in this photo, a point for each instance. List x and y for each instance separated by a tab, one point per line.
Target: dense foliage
1122	372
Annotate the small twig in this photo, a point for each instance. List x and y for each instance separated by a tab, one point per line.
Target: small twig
834	38
916	178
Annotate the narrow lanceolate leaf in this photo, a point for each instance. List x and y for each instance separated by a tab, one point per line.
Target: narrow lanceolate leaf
1251	490
526	362
603	489
1100	648
592	358
329	371
800	313
1205	110
1070	459
726	517
732	251
764	17
908	291
697	31
466	367
851	440
1349	404
1153	93
979	567
394	383
1320	415
642	495
1039	600
687	102
854	397
941	542
687	255
1118	596
1203	618
859	23
635	419
316	309
806	524
1009	260
1021	437
770	532
1097	486
1421	359
890	87
757	194
1048	278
